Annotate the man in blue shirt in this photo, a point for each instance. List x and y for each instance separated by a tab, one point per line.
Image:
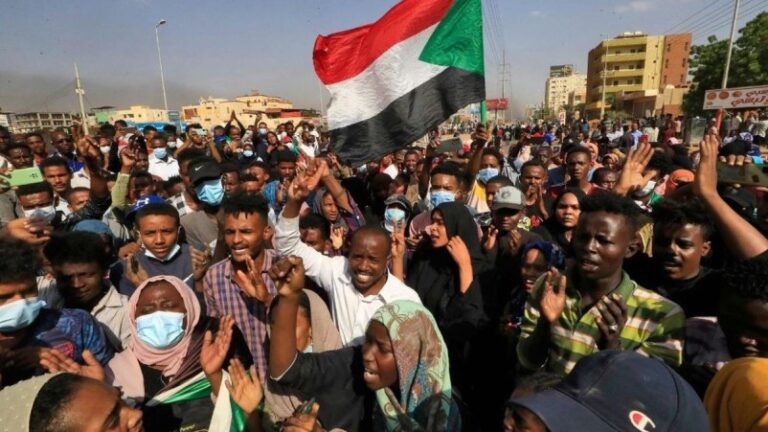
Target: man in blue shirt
28	330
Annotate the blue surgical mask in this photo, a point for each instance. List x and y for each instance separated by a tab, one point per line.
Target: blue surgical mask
160	152
174	250
262	131
210	192
161	329
19	314
391	216
439	197
486	174
247	153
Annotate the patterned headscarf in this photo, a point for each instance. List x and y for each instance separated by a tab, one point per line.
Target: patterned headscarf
423	370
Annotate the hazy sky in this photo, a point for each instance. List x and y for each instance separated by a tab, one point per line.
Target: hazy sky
227	48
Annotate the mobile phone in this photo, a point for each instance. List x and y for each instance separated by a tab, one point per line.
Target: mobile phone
24	176
746	175
201	132
305	408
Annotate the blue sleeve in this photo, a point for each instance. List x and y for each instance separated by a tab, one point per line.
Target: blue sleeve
94	340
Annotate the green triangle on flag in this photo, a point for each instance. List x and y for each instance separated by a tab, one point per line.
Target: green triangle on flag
458	39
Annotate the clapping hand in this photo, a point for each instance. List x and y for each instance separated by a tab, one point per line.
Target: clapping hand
215	349
552	301
54	361
201	260
252	284
632	177
243	388
705	181
489	239
338	234
398	240
613	316
288	274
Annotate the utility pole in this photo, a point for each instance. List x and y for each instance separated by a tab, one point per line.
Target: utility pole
728	58
503	78
160	60
80	93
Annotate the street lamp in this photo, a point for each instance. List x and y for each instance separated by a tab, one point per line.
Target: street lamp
160	59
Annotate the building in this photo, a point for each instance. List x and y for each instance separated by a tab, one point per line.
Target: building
634	66
36	121
249	109
135	114
562	82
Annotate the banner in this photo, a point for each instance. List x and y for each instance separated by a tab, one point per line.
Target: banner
736	98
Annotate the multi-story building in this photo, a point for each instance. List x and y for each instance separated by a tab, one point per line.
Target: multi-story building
36	121
562	82
272	110
139	114
637	65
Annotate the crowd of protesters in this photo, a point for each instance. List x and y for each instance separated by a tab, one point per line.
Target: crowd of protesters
594	276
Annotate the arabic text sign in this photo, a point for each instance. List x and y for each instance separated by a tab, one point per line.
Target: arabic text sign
736	98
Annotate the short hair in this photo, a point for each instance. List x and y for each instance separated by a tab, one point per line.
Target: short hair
402	179
17	145
55	161
33	188
614	204
747	279
448	168
260	164
285	155
78	247
34	134
49	413
141	174
18	261
158	209
193	126
579	149
533	163
660	163
246	202
75	190
673	212
315	221
148	128
122	123
413	151
171	182
501	180
245	177
598	173
495	153
169	129
229	166
107	130
189	154
376	230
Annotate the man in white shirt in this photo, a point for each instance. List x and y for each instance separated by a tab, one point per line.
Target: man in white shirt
162	164
357	285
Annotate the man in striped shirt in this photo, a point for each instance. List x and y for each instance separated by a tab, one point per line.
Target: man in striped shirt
596	306
235	286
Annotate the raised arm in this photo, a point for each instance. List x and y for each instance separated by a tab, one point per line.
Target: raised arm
289	276
742	239
479	139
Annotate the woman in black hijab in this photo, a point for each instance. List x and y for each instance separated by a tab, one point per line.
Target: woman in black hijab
559	227
445	271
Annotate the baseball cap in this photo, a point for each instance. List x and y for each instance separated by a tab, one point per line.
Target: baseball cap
508	197
398	199
619	391
203	170
141	202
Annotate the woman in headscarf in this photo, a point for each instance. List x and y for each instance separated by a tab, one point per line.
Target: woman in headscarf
163	363
444	272
403	364
559	227
737	398
315	333
678	178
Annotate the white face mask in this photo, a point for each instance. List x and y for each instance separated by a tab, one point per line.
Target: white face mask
105	149
647	189
46	213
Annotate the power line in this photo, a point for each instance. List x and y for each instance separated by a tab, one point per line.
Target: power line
691	16
720	24
722	8
723	19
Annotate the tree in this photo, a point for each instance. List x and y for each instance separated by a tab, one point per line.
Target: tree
749	63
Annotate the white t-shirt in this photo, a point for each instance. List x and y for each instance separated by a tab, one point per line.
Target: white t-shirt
164	169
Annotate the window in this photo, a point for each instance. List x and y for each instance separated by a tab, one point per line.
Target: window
682	78
669	47
665	79
686	46
632	51
616	68
615	83
631	67
638	81
684	59
666	63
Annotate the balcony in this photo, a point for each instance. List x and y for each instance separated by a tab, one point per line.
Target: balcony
625	73
626	88
617	58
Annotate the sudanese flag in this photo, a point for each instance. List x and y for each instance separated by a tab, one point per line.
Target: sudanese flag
393	80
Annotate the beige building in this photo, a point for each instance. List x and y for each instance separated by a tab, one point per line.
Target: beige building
139	114
635	62
560	86
36	121
212	111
